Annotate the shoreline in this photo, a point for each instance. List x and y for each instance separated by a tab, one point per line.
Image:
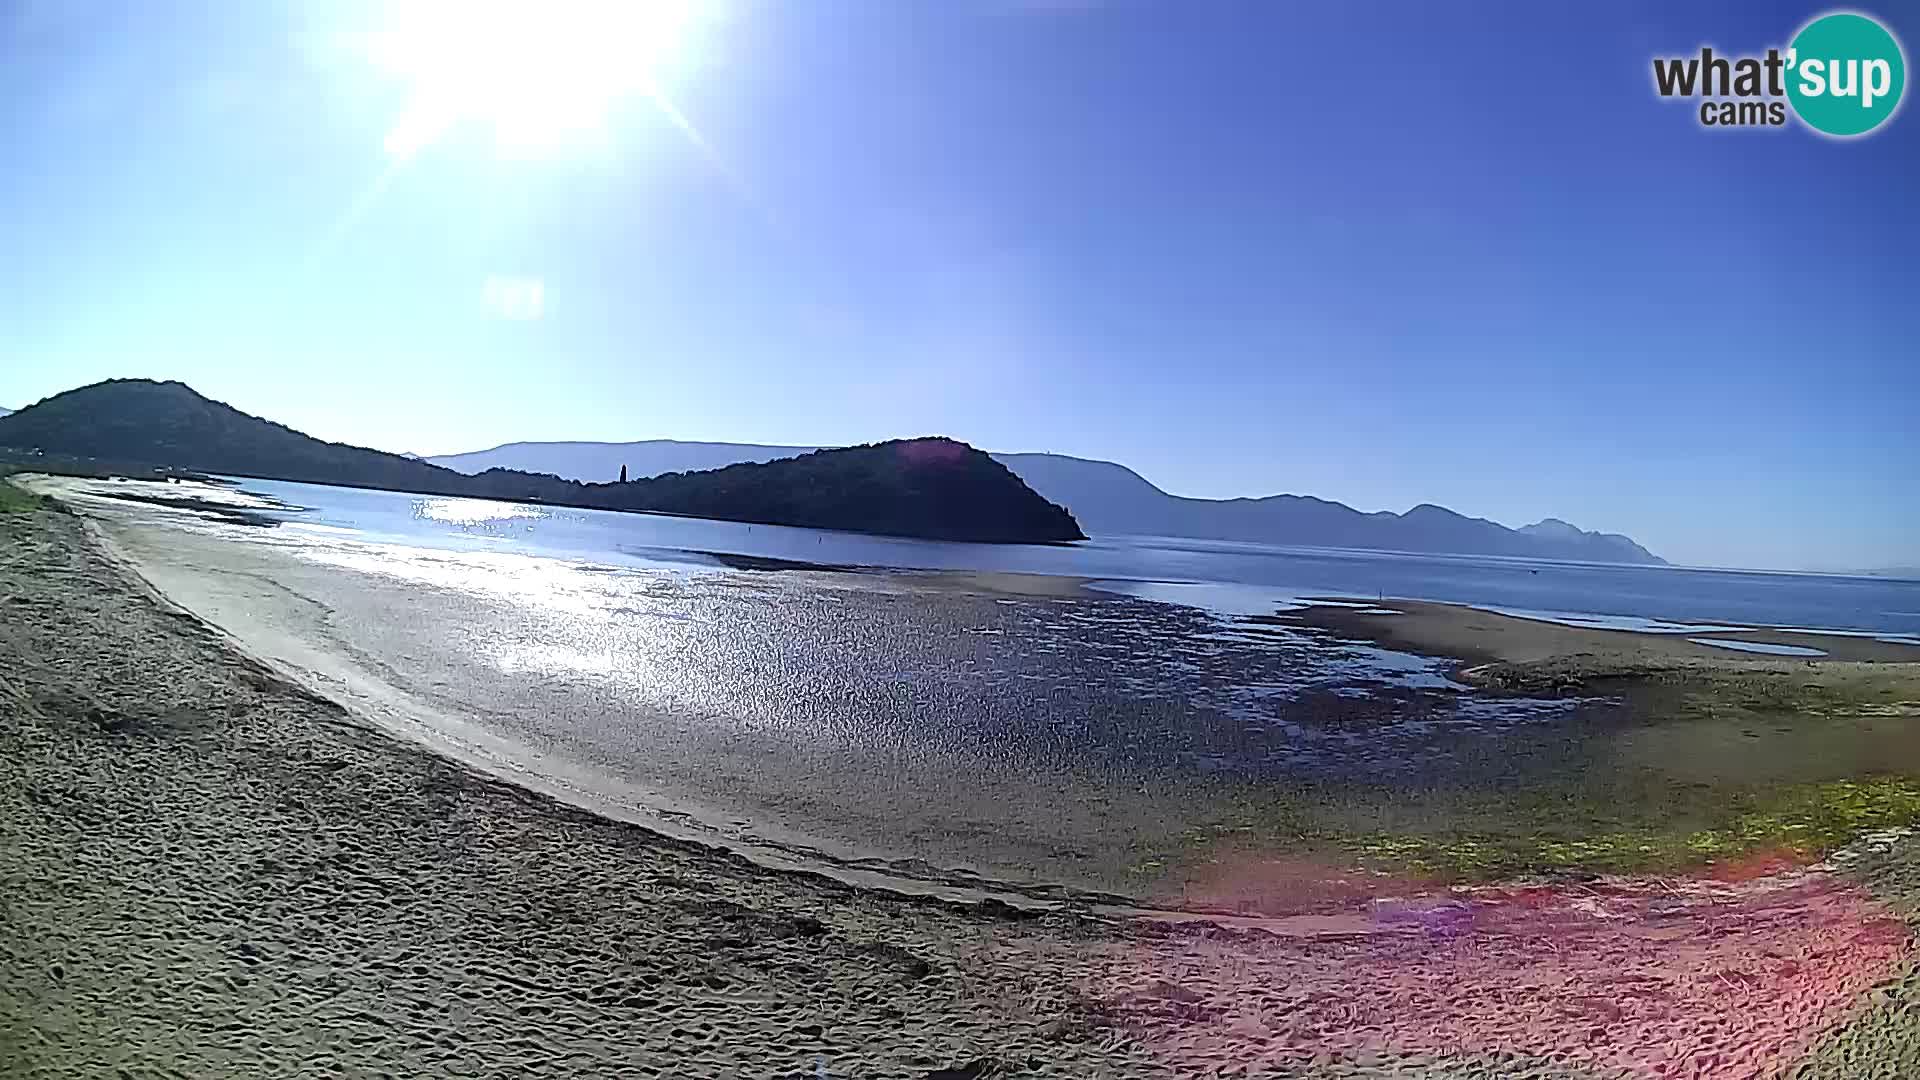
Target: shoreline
211	869
332	670
385	709
90	468
1835	642
1141	843
1477	636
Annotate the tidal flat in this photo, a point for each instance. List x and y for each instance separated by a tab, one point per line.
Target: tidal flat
215	865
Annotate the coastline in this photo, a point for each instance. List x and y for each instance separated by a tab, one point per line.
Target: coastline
212	868
1480	637
331	677
552	681
737	803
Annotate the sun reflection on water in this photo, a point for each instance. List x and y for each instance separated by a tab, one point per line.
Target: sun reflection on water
523	656
471	513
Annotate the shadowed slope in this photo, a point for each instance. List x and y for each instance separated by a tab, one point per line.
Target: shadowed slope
930	488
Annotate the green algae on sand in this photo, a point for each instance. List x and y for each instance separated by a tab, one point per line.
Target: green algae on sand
1809	820
1543	836
14	500
1697	766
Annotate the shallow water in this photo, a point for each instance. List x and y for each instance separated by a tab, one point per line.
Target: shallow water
1228	576
1766	647
901	664
853	715
1034	736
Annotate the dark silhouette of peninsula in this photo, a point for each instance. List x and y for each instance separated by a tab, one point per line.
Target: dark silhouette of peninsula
1111	499
932	488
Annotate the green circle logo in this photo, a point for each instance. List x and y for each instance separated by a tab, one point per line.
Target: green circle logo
1845	74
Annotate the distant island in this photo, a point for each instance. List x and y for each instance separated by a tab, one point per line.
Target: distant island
1111	499
931	488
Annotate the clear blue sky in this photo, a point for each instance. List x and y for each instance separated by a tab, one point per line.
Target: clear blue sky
1373	252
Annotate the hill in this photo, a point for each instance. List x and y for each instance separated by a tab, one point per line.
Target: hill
596	461
135	421
929	488
936	488
1111	499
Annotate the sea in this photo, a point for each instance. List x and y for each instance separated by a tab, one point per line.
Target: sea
1223	576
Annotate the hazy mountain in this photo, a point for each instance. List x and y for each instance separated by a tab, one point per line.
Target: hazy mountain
592	461
1110	498
1552	529
6	412
933	488
1107	498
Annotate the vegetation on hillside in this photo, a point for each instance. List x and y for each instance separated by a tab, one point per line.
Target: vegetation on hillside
923	487
930	488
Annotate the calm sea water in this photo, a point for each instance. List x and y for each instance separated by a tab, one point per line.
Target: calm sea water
1225	576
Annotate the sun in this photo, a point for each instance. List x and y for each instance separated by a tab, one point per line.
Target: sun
543	75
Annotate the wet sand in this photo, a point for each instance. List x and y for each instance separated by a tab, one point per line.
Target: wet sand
1484	637
1007	733
207	870
210	870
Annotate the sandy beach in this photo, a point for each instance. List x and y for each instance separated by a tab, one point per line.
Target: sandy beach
210	870
1011	735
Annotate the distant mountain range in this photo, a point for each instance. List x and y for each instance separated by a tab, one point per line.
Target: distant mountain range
893	488
931	488
1107	498
603	461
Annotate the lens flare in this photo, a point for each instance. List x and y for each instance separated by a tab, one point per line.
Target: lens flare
542	76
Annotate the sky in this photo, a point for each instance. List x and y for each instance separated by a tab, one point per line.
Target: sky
1376	252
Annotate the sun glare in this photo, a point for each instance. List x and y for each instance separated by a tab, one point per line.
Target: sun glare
543	75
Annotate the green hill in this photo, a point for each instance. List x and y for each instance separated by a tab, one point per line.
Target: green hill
935	487
932	488
135	421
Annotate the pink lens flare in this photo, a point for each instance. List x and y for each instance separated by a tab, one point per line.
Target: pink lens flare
1726	976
